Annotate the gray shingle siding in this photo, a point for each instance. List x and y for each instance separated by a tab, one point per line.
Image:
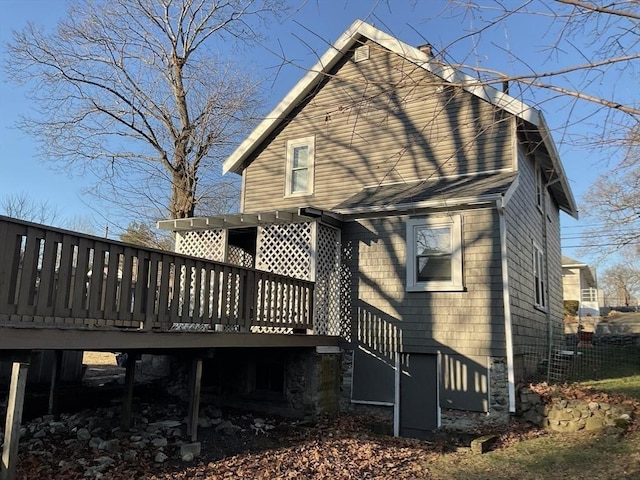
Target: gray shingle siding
469	322
380	121
525	225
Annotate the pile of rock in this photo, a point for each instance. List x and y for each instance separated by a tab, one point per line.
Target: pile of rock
98	443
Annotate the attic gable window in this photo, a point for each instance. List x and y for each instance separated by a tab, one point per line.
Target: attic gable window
434	254
361	53
299	170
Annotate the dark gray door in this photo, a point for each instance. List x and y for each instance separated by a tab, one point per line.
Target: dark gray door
418	395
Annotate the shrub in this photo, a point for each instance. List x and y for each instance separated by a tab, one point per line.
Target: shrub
571	308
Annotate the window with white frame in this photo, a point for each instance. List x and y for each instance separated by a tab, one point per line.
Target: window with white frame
540	299
299	171
434	254
540	193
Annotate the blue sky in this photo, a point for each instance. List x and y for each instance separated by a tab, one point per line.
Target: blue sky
304	34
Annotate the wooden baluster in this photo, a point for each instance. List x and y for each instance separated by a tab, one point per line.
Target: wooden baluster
152	292
65	277
27	289
47	288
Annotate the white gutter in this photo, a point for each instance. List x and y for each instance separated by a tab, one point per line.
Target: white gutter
508	329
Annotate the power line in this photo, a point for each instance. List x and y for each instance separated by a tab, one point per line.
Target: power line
602	245
631	235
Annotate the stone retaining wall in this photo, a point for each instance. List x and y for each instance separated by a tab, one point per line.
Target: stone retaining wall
562	415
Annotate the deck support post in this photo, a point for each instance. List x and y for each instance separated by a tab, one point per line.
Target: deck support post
127	400
55	383
13	421
195	381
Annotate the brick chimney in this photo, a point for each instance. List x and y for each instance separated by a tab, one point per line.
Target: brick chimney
426	49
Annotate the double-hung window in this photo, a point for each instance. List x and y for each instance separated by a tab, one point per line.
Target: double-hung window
434	254
540	190
299	171
539	278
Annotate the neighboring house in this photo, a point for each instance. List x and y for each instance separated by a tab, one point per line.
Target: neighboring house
426	208
579	284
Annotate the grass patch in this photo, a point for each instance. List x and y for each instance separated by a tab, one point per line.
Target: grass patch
597	457
629	386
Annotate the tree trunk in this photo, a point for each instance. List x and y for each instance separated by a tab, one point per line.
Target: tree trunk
183	194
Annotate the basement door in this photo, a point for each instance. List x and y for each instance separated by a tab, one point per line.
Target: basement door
418	397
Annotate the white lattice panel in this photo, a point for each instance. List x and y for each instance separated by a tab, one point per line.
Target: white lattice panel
238	256
327	288
207	244
285	249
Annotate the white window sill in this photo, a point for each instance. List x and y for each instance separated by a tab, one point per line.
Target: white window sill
298	194
435	288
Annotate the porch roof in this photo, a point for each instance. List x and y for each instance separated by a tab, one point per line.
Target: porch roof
437	193
239	220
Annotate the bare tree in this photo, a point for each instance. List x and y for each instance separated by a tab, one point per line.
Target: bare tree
587	66
583	45
614	200
24	207
142	234
134	91
621	285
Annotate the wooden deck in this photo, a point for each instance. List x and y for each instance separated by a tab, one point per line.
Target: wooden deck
64	290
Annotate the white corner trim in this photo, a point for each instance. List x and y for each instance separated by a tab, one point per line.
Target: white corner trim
508	327
396	403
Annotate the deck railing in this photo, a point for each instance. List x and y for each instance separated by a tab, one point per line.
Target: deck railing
54	276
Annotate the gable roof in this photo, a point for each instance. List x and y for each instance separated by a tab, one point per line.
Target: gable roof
590	272
538	135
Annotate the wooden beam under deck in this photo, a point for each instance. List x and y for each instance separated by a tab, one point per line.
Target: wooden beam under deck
52	338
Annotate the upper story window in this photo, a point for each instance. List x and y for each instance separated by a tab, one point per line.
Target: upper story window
434	254
540	193
539	278
299	171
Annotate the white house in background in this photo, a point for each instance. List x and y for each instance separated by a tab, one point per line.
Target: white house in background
579	283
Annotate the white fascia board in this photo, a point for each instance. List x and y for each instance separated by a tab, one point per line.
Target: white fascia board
335	53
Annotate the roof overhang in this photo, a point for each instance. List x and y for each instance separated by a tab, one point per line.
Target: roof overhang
557	178
428	204
454	192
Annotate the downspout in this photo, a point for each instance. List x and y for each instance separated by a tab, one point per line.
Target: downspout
508	330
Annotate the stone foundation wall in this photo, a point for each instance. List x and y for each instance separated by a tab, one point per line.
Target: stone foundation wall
497	413
312	383
562	415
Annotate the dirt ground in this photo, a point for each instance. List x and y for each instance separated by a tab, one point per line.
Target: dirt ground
99	358
102	367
